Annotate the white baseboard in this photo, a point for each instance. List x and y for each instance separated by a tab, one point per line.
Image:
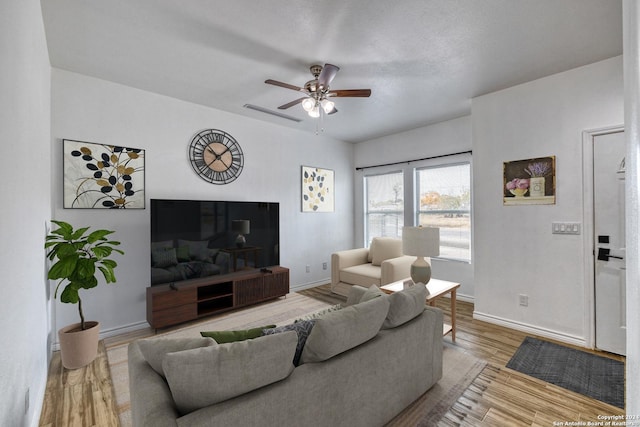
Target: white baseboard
308	285
465	298
113	332
531	329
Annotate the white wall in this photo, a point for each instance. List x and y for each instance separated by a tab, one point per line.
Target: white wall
93	110
452	136
515	252
631	13
25	174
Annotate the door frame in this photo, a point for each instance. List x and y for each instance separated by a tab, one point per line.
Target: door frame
588	228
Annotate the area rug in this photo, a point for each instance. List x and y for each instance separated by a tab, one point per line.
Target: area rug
459	368
595	376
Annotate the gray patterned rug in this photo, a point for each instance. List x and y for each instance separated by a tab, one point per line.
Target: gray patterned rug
595	376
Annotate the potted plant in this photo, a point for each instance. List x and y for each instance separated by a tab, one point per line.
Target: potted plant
78	258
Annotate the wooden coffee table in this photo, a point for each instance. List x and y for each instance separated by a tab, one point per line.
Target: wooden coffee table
436	288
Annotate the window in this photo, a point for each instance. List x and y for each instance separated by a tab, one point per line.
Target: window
443	199
384	205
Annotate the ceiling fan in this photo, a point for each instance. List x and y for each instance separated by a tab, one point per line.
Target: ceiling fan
317	91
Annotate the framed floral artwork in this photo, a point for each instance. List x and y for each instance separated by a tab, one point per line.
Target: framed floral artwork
530	181
317	189
98	176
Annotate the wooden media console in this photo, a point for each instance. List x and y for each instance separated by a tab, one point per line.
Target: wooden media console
171	304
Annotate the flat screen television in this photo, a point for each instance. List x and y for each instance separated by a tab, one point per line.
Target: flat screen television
198	238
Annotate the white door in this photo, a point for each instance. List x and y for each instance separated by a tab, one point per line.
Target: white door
610	284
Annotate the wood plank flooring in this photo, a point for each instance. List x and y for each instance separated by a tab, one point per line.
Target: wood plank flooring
498	397
502	397
80	397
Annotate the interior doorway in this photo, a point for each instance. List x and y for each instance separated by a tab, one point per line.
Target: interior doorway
605	237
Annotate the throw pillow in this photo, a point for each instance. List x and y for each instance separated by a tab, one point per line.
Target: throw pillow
384	248
163	258
205	376
355	293
302	328
197	248
164	244
222	337
154	349
405	305
372	292
182	253
358	294
319	314
342	330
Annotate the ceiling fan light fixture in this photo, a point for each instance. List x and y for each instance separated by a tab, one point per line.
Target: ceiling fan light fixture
315	112
308	104
327	105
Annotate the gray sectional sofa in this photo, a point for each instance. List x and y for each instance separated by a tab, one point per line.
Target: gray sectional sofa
360	366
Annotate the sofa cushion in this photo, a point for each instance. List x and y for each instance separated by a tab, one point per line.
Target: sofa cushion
342	330
384	248
318	314
163	258
154	349
405	305
364	275
223	337
205	376
302	328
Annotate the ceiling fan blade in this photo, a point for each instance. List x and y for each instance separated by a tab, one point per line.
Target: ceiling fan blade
360	93
327	74
284	85
292	103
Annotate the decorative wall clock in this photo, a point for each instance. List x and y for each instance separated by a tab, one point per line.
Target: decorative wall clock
216	156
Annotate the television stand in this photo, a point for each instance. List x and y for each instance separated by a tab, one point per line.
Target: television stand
174	303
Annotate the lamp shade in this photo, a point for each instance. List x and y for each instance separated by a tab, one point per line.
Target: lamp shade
240	226
421	241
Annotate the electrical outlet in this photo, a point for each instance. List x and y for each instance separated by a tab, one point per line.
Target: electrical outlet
524	300
308	268
324	265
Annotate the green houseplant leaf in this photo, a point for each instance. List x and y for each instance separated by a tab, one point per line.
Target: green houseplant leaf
77	257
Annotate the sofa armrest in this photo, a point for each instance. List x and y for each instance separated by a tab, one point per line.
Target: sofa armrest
151	400
348	258
394	269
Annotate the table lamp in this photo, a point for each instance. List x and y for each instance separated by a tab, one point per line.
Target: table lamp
240	226
421	242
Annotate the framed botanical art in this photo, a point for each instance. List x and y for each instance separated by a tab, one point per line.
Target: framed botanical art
530	181
317	189
98	176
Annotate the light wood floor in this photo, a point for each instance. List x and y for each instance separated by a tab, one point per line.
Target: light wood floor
498	397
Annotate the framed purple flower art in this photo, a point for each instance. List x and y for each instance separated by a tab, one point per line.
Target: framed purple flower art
98	176
529	182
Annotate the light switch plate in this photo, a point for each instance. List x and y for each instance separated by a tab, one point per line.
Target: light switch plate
566	228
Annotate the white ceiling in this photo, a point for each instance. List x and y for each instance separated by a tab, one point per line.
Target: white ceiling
423	59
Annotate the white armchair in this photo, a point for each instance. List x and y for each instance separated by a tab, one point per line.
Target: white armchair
382	263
